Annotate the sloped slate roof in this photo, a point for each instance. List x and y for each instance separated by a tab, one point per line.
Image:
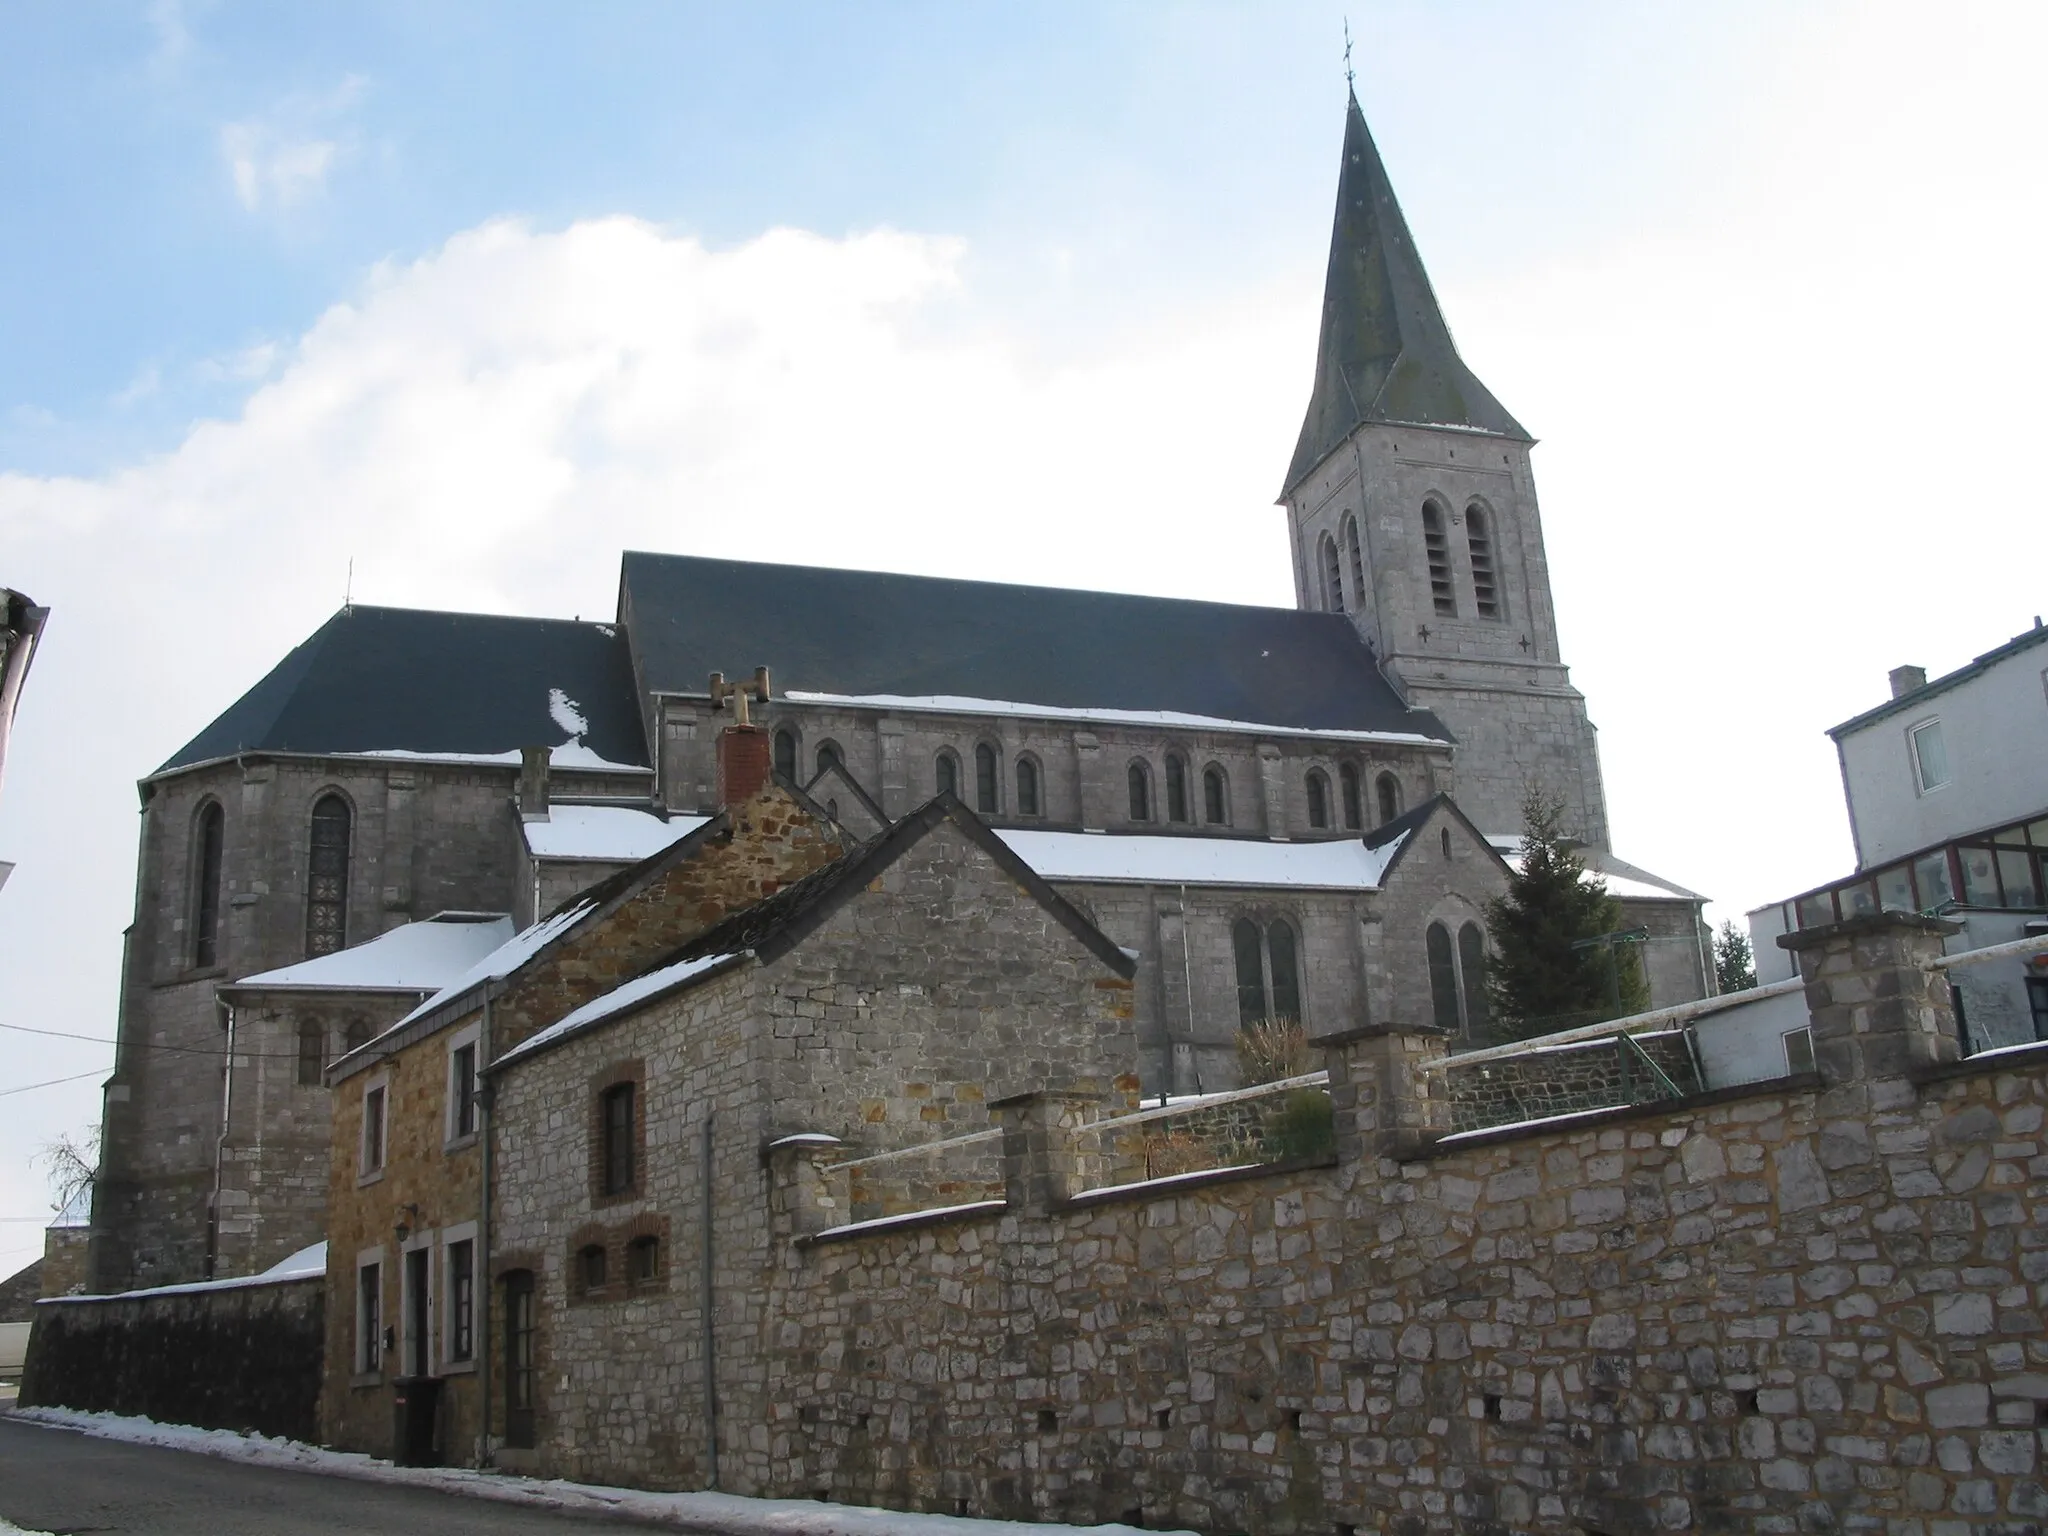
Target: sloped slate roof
414	680
871	632
1385	353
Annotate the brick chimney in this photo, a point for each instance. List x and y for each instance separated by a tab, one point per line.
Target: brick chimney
1906	679
746	759
533	783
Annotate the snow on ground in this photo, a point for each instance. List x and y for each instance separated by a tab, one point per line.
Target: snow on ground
719	1514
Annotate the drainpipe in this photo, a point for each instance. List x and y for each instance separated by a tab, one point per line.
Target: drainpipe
481	1282
226	1010
710	1331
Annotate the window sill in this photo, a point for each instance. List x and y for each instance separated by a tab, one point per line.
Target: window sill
612	1202
364	1180
460	1143
363	1380
458	1368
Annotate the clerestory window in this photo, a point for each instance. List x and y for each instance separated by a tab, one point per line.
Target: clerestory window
1215	797
327	876
1139	781
1388	791
1318	798
1354	802
1176	787
785	753
987	789
208	838
1268	979
1027	787
946	773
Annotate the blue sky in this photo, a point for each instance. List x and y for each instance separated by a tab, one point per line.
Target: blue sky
470	297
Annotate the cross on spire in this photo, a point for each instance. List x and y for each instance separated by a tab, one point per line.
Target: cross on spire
1350	79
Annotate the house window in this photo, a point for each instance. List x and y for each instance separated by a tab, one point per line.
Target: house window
590	1268
1176	787
1268	979
462	1108
207	839
1437	548
1140	781
617	1172
327	877
946	773
829	755
986	788
370	1161
1027	787
1388	790
521	1359
1318	798
1354	801
1930	755
1798	1050
1472	974
1931	874
1356	551
1333	576
1443	978
785	753
1485	589
1215	797
643	1260
369	1316
461	1293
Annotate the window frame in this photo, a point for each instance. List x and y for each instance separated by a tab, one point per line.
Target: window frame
1351	796
1315	785
619	1167
1215	772
1387	796
633	1073
417	1344
1025	771
316	932
786	733
988	776
946	764
1138	788
521	1288
463	1236
1261	926
454	1134
370	1165
829	753
1914	733
368	1355
638	1243
1178	806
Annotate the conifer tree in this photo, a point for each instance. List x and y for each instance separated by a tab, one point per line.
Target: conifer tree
1543	978
1734	963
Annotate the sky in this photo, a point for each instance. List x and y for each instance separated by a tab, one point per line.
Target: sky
446	305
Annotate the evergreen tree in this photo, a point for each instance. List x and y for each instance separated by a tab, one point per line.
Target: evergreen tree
1734	964
1539	981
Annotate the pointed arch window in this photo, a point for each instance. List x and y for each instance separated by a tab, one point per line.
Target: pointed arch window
1443	978
1215	797
1027	787
1176	787
946	773
1355	553
987	787
1318	798
327	876
1436	545
785	753
1268	977
1333	575
208	838
1485	588
1354	802
828	754
1388	790
1139	778
1472	975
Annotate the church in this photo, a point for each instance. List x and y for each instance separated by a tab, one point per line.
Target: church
1275	813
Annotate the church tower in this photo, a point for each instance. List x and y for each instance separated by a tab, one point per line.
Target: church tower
1413	512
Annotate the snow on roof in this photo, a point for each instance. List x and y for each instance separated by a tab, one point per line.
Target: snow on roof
1648	888
500	962
1339	864
619	1000
414	957
570	754
307	1264
609	833
955	704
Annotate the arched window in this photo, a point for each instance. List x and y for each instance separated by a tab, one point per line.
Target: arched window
1268	977
327	877
1443	978
828	754
1354	802
1215	797
1356	552
1333	576
946	773
1027	787
207	839
1485	590
1140	780
521	1358
1318	798
1437	547
1176	787
1444	837
1389	790
1472	968
987	800
785	753
643	1260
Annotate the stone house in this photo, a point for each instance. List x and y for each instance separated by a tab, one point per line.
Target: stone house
384	771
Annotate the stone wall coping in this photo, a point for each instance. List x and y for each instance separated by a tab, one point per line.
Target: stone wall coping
2007	1058
1860	927
1361	1032
1596	1119
909	1221
1046	1096
1177	1183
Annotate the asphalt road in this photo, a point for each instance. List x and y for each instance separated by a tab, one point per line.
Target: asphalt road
71	1484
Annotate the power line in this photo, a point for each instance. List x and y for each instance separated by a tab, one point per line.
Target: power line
152	1045
53	1082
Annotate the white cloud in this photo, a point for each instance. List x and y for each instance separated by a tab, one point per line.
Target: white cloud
283	159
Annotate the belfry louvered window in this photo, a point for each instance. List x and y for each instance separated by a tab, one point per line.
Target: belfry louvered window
327	877
1356	553
1437	546
1333	576
1485	588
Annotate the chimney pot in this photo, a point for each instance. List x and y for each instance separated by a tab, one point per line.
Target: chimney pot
533	783
1906	679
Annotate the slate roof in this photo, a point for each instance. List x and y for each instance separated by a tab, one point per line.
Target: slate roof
381	679
1385	354
869	632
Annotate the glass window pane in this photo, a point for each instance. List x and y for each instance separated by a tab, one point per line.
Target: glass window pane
1443	978
1318	801
1930	755
2014	835
1980	876
1931	874
948	775
1141	793
1212	794
1027	787
985	779
2017	870
1472	961
1816	911
1251	971
1895	889
1859	900
1176	789
1286	983
2037	833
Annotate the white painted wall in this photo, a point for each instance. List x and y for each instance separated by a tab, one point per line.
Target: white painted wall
1746	1043
1772	963
13	1347
1995	725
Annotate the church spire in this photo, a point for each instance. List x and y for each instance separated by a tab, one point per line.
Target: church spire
1386	354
